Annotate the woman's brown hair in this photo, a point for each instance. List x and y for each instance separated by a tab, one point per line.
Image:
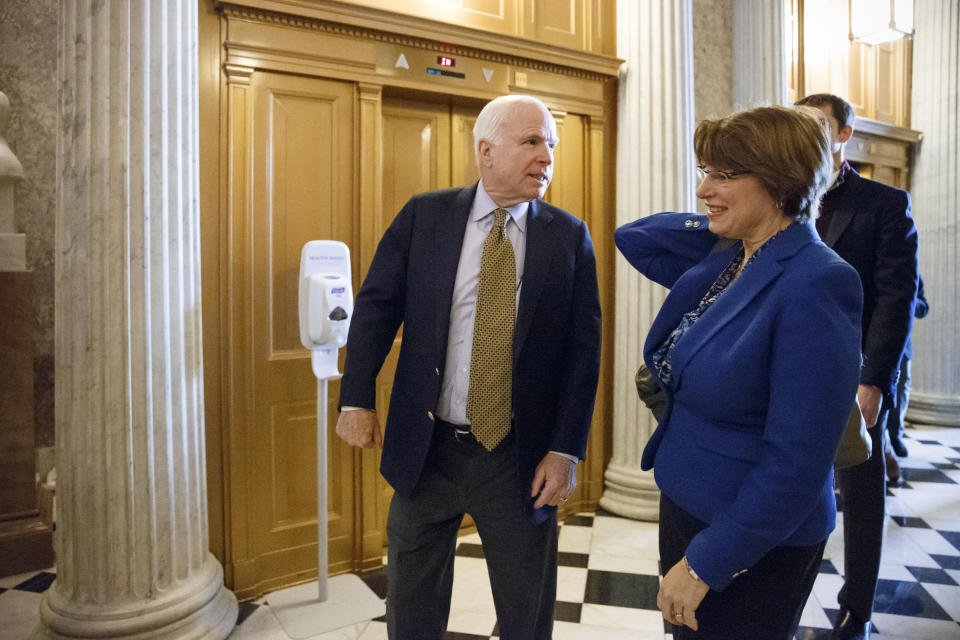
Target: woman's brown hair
788	150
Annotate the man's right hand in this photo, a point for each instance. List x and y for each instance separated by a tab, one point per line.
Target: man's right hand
360	428
870	398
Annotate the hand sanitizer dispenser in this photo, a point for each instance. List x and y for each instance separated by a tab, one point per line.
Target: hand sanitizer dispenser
326	303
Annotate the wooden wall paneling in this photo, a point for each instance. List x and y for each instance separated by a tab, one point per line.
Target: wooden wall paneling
236	391
559	22
463	163
213	188
370	228
416	158
500	16
601	230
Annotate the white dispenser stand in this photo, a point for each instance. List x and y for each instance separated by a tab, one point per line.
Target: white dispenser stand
326	306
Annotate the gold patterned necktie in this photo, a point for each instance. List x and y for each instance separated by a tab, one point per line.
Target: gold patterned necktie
491	359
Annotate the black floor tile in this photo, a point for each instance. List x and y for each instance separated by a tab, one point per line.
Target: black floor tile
38	583
947	562
246	608
621	589
826	566
931	576
567	611
2	590
952	536
454	635
930	442
811	633
945	465
906	599
925	475
914	523
579	521
377	581
470	550
569	559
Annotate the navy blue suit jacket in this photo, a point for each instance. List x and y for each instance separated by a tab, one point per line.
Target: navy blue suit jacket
556	350
872	229
762	386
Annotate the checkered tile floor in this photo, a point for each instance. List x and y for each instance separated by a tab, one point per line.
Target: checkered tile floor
608	572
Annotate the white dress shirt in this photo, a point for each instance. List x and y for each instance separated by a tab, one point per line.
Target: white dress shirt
452	404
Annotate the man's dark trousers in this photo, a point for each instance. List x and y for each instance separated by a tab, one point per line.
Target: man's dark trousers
863	491
463	477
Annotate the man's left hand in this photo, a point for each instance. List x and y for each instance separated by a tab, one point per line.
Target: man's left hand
554	480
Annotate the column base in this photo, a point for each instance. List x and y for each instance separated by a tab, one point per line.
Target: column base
199	608
630	492
935	409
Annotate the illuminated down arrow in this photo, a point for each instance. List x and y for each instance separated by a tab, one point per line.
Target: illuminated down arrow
487	73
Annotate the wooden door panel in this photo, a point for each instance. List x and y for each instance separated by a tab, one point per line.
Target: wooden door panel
416	158
303	189
463	170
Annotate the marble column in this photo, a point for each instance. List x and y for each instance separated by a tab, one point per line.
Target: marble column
759	53
132	537
655	172
935	398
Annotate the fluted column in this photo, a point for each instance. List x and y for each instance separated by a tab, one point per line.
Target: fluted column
655	172
759	53
132	538
936	184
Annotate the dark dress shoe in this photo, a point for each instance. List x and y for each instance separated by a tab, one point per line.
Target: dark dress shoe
849	627
893	469
898	447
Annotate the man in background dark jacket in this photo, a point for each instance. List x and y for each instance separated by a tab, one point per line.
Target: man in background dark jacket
869	225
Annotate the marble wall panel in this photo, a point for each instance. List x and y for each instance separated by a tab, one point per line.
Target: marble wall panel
28	75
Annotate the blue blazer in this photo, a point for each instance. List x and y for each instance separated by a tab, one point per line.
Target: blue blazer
556	346
762	386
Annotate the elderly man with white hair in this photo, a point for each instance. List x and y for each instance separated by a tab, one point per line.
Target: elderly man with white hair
495	383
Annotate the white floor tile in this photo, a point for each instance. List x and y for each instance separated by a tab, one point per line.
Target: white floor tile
825	588
931	541
946	522
889	571
571	584
621	617
19	613
813	615
474	622
374	631
603	562
916	628
471	586
624	537
575	539
571	631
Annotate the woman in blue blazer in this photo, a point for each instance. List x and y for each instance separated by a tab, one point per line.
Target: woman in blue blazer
757	348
